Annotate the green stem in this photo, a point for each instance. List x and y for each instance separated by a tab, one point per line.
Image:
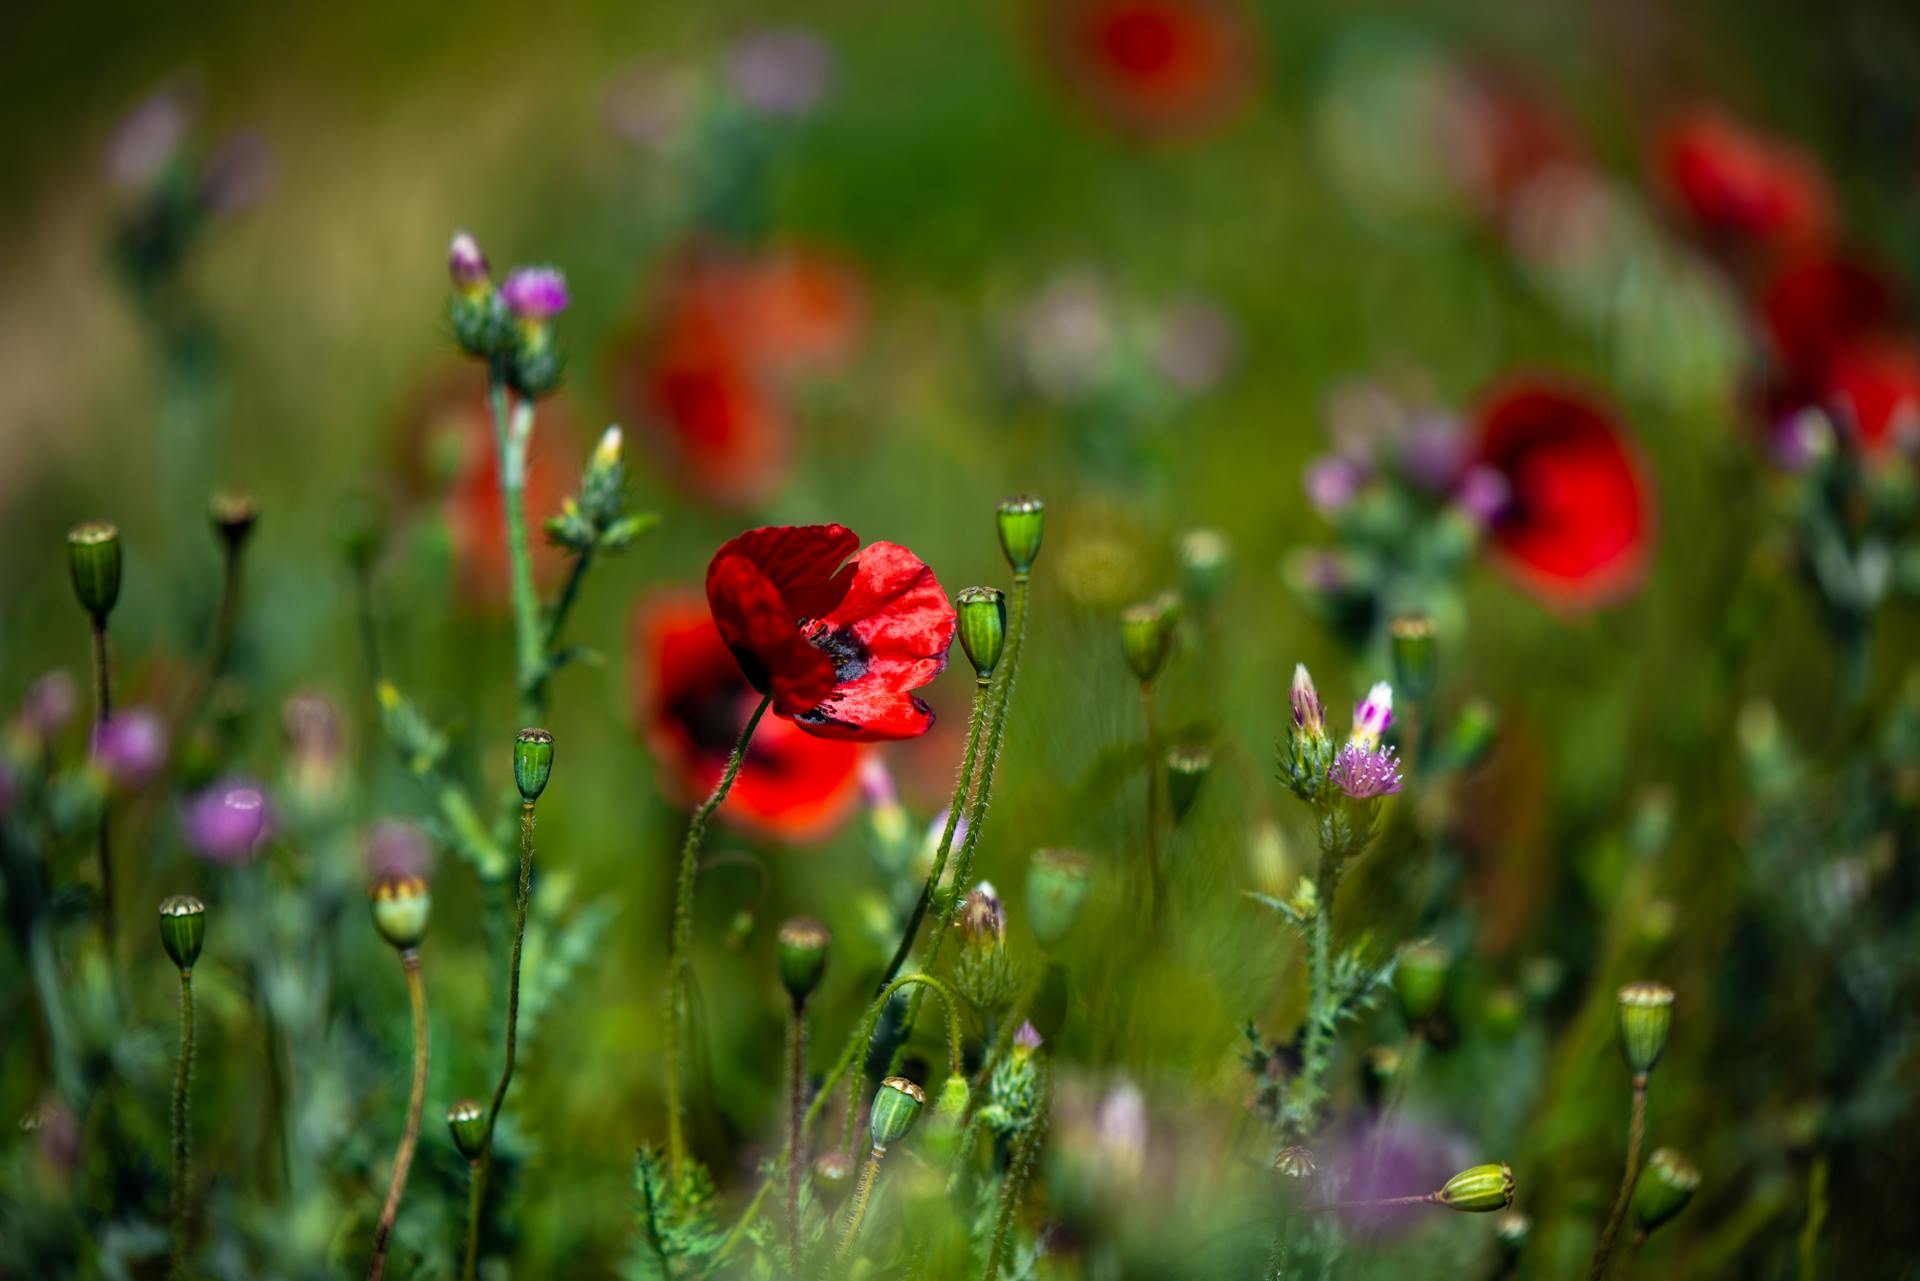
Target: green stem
182	1161
474	1191
219	640
1155	871
102	709
510	435
796	1103
857	1213
403	1158
569	593
1317	1044
1019	1170
683	941
1636	1127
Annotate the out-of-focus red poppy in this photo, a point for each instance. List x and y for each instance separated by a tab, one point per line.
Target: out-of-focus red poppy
839	644
1577	525
1743	186
1815	305
1873	389
1161	67
691	702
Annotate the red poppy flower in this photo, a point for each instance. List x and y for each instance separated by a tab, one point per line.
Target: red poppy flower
1815	305
692	703
1742	185
1157	66
1873	388
1577	524
839	644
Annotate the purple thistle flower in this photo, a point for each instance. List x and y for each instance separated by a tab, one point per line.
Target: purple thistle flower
1483	494
225	822
147	139
1332	480
535	293
1365	774
1027	1038
876	784
1372	715
1433	453
130	747
784	74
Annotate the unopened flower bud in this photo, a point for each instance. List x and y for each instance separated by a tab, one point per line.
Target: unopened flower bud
1021	522
468	1125
984	969
948	1121
606	454
532	763
1206	559
1502	1010
1666	1185
983	917
1646	1015
1371	716
1511	1229
802	954
1413	654
93	554
1187	768
467	266
1478	1190
983	626
1146	637
1309	714
895	1108
183	927
1056	892
233	517
401	905
832	1177
1420	979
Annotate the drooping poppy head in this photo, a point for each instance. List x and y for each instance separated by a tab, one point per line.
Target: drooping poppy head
1742	186
691	702
837	636
1159	67
1576	526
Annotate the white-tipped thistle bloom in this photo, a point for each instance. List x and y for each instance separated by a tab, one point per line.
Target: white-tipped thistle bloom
1309	715
1372	716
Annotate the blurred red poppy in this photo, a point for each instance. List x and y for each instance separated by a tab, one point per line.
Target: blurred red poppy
838	643
1576	528
1743	186
1817	304
1873	390
691	703
1166	67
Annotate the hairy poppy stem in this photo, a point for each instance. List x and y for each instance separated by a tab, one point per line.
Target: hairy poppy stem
510	434
475	1190
1636	1128
857	1213
102	709
683	940
182	1155
403	1157
796	1104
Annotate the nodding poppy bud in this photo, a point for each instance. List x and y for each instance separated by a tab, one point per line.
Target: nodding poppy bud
802	954
1478	1190
1420	979
1187	768
1146	637
1646	1015
983	626
1665	1187
1206	558
1021	522
93	554
895	1108
401	905
233	517
532	763
468	1125
1056	891
1378	1066
1413	654
1511	1230
183	927
832	1177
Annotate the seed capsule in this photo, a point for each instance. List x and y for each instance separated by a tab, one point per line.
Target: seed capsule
1056	892
895	1108
468	1125
1420	979
1665	1187
532	763
183	927
1021	522
1206	559
801	951
983	626
832	1177
1646	1015
1146	637
401	905
1479	1189
233	517
93	555
1187	768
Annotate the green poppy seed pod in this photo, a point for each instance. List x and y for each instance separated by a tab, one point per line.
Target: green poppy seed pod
1187	768
802	954
233	517
401	905
93	554
1478	1190
1646	1015
1146	635
468	1125
183	927
1511	1229
832	1177
983	626
1206	558
1021	522
1420	979
1057	882
532	763
1666	1185
1413	655
1378	1066
895	1108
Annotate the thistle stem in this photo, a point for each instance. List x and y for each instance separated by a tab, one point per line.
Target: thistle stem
182	1158
1636	1127
857	1212
1019	1170
102	709
403	1158
563	605
511	431
683	941
796	1104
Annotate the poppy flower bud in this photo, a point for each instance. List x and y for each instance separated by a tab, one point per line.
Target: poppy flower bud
401	905
468	1125
532	762
1479	1189
183	927
801	951
832	1177
1206	558
1146	637
233	517
1187	768
93	554
1056	892
1511	1230
895	1108
1413	654
1420	979
1646	1015
1021	522
1666	1185
983	626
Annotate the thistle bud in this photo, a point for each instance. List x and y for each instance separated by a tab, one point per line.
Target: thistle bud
233	517
93	554
1413	654
1371	716
1056	892
1309	714
401	905
983	917
1511	1229
183	927
1646	1015
1666	1185
478	318
532	763
802	954
1478	1190
1420	979
983	626
1206	558
895	1108
1021	522
468	1125
832	1177
1187	768
984	971
467	265
1146	637
533	296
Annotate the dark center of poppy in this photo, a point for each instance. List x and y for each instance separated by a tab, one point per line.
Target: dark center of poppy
848	653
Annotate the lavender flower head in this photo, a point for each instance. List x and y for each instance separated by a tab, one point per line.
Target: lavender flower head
466	263
535	293
1483	494
49	704
1332	481
397	849
1372	715
130	747
781	73
1365	774
225	822
1027	1038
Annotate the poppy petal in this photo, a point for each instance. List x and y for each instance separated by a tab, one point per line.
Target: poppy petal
759	625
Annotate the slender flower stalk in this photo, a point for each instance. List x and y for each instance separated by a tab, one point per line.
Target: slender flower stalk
403	1157
1645	1015
94	560
183	927
512	429
233	518
895	1108
803	959
1026	1151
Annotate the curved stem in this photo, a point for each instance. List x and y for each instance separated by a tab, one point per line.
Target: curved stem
857	1213
1636	1127
683	941
510	435
102	709
796	1102
182	1158
863	1040
403	1158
